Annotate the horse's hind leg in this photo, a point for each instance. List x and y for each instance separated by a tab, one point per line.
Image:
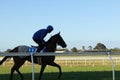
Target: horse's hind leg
16	67
41	71
12	71
22	78
56	65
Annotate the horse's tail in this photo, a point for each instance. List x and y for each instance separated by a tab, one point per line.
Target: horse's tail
3	59
6	57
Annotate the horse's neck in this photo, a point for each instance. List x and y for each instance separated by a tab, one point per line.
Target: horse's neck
51	47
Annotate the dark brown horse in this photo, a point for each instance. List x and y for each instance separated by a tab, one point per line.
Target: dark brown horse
45	60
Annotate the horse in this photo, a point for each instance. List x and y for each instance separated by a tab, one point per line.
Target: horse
51	45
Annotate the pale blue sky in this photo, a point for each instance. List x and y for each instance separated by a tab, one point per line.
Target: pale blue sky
81	22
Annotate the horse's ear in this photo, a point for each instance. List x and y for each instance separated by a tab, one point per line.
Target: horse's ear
59	33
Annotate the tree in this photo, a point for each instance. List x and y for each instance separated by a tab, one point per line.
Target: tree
90	47
83	48
74	49
100	46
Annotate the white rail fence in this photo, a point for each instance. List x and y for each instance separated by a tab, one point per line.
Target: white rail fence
77	61
73	59
83	54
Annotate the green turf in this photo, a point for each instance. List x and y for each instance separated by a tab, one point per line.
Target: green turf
69	73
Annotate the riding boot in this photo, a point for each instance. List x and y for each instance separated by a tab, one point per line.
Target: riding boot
44	50
40	48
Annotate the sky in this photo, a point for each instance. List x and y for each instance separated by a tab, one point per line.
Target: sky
81	22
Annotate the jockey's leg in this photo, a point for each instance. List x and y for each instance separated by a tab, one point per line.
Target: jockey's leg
40	47
44	50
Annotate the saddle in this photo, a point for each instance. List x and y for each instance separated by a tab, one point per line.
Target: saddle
31	49
34	46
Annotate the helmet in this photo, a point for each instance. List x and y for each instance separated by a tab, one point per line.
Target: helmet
50	28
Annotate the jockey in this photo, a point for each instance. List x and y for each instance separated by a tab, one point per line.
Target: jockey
39	36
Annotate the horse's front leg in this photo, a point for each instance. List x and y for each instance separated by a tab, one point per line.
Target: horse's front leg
41	71
12	71
56	65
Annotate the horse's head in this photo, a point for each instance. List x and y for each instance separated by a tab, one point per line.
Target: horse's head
57	39
60	40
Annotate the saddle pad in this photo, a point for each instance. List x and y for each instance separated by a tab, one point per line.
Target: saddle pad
23	48
32	50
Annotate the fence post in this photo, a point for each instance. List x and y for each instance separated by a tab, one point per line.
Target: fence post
32	66
112	63
32	51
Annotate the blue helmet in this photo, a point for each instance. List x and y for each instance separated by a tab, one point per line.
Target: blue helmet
50	28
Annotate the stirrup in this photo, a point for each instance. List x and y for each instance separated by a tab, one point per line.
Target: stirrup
43	50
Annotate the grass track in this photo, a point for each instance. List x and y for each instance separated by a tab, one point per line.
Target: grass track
69	73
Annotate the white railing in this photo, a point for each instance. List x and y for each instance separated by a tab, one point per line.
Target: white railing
53	54
59	54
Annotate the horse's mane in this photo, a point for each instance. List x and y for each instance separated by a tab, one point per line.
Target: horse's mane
51	38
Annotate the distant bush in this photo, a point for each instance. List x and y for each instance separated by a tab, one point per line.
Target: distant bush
115	50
